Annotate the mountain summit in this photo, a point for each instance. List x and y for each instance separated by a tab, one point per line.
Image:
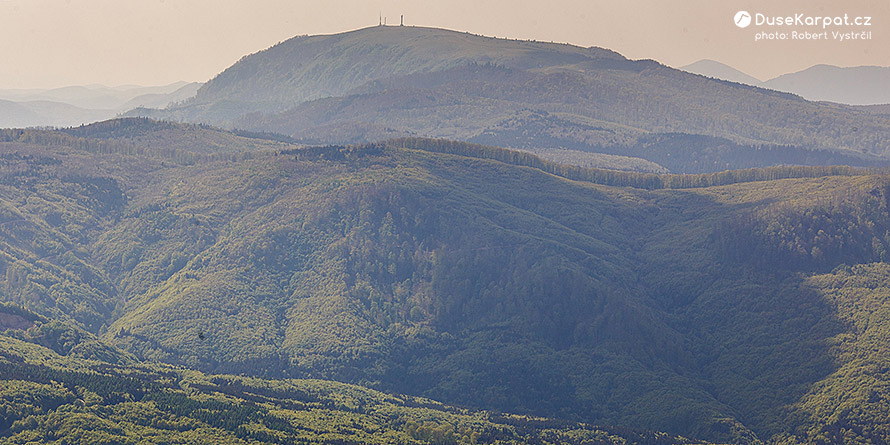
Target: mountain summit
312	67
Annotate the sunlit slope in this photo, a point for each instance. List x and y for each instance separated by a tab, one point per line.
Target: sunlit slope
469	279
48	398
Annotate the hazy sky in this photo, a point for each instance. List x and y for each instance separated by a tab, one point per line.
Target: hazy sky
49	43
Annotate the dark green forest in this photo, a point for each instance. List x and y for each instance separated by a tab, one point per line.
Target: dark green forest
155	287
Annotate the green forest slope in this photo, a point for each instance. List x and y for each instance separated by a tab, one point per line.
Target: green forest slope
48	398
738	307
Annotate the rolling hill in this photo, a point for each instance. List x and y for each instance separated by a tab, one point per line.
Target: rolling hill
743	306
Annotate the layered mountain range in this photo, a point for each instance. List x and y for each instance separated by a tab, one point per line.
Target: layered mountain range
180	282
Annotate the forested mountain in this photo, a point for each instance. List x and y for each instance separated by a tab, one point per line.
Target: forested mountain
313	67
384	82
876	109
741	306
48	398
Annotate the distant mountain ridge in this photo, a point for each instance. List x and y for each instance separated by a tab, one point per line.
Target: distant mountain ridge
717	70
383	82
77	105
43	113
861	85
99	97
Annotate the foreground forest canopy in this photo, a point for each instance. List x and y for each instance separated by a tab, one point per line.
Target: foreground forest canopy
48	398
172	281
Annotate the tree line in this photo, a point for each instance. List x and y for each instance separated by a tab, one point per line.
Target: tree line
649	181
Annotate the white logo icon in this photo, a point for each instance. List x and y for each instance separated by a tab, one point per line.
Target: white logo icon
742	19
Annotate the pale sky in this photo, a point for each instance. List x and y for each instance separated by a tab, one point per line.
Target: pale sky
51	43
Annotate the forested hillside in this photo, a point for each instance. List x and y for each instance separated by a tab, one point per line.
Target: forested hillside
743	307
48	398
380	83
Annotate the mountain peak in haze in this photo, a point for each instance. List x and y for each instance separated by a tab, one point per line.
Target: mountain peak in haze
311	67
717	70
81	104
860	85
